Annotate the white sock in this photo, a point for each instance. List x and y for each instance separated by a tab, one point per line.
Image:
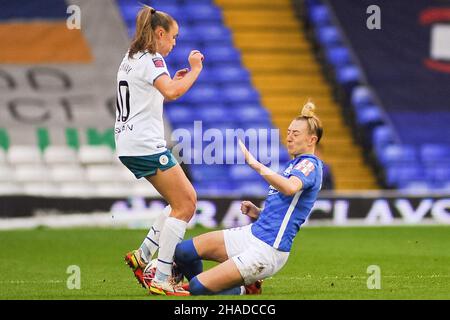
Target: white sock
171	234
151	242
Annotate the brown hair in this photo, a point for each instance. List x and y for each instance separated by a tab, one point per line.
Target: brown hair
314	123
147	20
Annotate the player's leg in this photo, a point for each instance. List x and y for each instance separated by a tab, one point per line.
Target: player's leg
223	279
190	253
176	189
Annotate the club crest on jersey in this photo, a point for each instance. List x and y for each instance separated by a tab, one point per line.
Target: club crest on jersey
164	160
305	166
159	63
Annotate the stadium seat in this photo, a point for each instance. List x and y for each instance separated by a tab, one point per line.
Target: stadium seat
338	56
396	153
216	115
253	189
223	54
242	172
348	76
203	94
10	188
2	156
319	15
438	172
211	33
328	36
430	153
181	114
60	154
41	189
398	174
6	173
67	173
31	173
209	172
369	116
88	154
240	94
78	189
215	189
201	12
104	173
382	136
361	96
230	74
22	154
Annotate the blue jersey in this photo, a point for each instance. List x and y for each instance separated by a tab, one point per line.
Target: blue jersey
282	216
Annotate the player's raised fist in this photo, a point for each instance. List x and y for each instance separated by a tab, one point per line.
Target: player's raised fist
196	59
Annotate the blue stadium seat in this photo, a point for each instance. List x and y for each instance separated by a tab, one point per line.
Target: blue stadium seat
215	54
256	189
213	33
328	36
216	115
431	153
202	94
242	172
230	74
195	13
250	113
399	174
319	15
240	94
382	136
369	116
215	189
214	172
361	95
338	56
181	114
438	172
397	153
349	77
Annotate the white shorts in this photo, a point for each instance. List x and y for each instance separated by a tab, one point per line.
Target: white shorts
254	258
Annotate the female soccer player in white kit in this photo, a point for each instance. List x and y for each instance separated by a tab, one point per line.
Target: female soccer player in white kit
143	83
251	253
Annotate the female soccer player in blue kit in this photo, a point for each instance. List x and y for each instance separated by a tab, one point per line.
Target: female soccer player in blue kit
251	253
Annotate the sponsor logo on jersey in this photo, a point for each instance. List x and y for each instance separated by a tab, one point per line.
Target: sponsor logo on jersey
305	166
159	63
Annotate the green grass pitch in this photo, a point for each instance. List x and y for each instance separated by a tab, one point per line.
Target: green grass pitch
325	263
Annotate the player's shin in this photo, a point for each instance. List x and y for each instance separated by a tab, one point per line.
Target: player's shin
151	241
187	259
171	234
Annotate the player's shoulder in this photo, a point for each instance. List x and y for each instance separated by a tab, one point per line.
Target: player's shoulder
307	163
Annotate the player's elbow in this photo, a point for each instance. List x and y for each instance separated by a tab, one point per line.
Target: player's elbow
289	191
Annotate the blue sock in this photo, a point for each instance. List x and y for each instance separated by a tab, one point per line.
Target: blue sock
187	259
196	288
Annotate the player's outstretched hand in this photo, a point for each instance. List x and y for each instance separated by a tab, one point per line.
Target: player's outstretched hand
249	158
249	209
196	59
180	74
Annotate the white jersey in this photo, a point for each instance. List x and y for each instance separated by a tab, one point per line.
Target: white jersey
139	128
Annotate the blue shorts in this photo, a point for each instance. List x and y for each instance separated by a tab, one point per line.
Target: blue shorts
143	166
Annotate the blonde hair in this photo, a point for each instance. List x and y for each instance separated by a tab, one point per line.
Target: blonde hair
314	124
147	20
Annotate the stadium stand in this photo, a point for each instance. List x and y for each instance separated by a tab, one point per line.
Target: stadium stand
285	73
405	131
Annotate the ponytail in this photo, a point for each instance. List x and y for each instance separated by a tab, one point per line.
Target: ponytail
147	20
